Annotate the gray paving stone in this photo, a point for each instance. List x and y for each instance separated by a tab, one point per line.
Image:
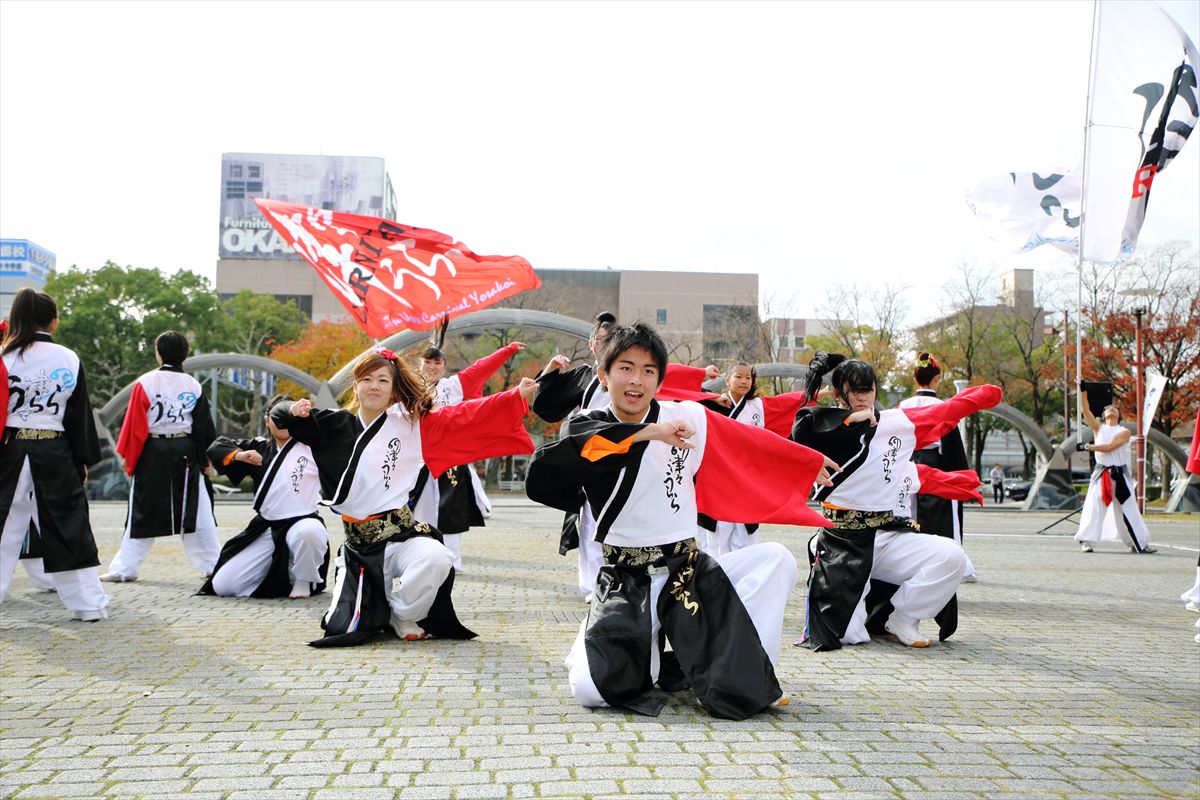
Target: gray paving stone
1028	700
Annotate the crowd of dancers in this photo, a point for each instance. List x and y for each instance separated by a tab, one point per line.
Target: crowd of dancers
663	486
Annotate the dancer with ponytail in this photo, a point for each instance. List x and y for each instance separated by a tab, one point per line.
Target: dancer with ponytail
934	514
49	441
868	540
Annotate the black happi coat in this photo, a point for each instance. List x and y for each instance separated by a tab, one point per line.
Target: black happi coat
58	467
840	568
337	439
715	643
562	391
277	582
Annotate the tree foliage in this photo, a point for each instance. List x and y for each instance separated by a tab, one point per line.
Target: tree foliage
110	316
321	350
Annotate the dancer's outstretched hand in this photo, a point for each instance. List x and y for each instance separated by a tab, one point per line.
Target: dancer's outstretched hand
301	408
828	470
527	388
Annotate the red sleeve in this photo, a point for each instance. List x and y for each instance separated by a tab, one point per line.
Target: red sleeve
961	484
489	427
136	428
476	375
3	395
934	421
751	475
1193	462
682	382
779	412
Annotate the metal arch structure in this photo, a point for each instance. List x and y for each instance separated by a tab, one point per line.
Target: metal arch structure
488	318
116	406
1186	494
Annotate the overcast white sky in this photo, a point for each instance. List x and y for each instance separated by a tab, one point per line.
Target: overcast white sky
810	142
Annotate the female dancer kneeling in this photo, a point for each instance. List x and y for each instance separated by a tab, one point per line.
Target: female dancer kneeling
393	570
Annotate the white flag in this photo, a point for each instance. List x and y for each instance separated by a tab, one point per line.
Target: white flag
1143	108
1154	392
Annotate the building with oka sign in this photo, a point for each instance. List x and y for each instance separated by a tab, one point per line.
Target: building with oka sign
251	255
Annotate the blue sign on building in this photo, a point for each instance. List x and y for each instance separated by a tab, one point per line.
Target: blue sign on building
25	262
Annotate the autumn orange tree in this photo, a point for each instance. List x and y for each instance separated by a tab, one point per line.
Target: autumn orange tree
321	350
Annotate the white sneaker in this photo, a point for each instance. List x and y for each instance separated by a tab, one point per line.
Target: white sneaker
300	589
1086	548
785	699
408	630
972	578
87	616
1193	606
905	630
112	577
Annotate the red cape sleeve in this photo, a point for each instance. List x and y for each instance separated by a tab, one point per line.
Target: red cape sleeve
934	421
961	484
473	377
3	396
136	428
751	475
779	412
489	427
682	382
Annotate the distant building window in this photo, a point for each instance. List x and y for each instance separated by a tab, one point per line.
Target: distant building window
784	341
255	171
235	190
662	316
798	342
235	170
254	187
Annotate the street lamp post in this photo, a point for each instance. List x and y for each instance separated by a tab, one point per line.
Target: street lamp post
1140	441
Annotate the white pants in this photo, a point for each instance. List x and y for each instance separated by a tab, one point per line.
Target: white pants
201	547
453	542
762	576
36	570
591	554
927	568
78	589
242	574
1115	522
413	571
728	537
1192	595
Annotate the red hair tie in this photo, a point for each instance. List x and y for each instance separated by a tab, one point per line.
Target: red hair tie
388	354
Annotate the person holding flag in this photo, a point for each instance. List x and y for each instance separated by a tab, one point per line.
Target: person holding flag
393	570
1110	509
455	501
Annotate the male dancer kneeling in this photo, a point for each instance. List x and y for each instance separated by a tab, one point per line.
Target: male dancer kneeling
645	469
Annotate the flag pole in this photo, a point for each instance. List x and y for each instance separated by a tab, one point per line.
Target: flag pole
1083	219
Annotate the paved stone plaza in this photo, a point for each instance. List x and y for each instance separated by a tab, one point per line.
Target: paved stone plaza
1071	676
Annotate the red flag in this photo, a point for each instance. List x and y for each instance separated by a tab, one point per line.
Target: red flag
394	277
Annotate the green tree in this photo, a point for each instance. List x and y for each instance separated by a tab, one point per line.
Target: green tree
258	323
110	316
